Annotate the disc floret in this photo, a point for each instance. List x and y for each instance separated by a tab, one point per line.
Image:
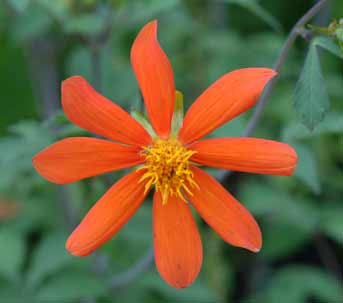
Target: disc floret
167	168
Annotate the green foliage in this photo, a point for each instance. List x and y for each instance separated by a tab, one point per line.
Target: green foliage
19	5
307	170
11	254
328	44
255	8
311	99
49	257
331	222
33	23
86	24
178	113
300	283
71	286
276	205
203	41
332	124
144	10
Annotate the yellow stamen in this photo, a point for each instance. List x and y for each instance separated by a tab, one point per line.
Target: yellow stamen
167	168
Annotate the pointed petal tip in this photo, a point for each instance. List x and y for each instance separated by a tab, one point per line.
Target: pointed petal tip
155	78
256	250
226	98
268	73
153	23
253	247
90	110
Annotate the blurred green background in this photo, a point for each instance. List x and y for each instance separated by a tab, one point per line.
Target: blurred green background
301	217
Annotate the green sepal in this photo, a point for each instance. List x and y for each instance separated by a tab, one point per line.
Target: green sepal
142	119
178	114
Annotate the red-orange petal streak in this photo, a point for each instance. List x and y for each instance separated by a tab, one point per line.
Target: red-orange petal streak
246	154
108	215
177	243
155	77
73	159
90	110
224	213
225	99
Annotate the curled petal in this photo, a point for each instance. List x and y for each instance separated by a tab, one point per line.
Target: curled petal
90	110
224	213
73	159
246	154
177	243
225	99
155	77
107	215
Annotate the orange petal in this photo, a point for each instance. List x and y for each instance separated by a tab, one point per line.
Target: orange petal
224	213
73	159
108	215
246	154
225	99
155	78
177	243
92	111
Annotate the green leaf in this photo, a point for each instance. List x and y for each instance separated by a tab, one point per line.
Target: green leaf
142	119
48	257
298	284
311	100
56	9
279	244
123	90
332	124
255	8
279	206
12	254
339	34
178	113
16	152
198	292
71	286
19	5
34	22
86	24
140	11
331	222
328	44
234	128
307	170
11	293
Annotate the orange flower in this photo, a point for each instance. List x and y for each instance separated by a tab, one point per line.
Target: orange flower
168	160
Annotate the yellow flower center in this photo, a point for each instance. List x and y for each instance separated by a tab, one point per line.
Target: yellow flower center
167	167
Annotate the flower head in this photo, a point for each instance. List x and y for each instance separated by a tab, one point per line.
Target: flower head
167	160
